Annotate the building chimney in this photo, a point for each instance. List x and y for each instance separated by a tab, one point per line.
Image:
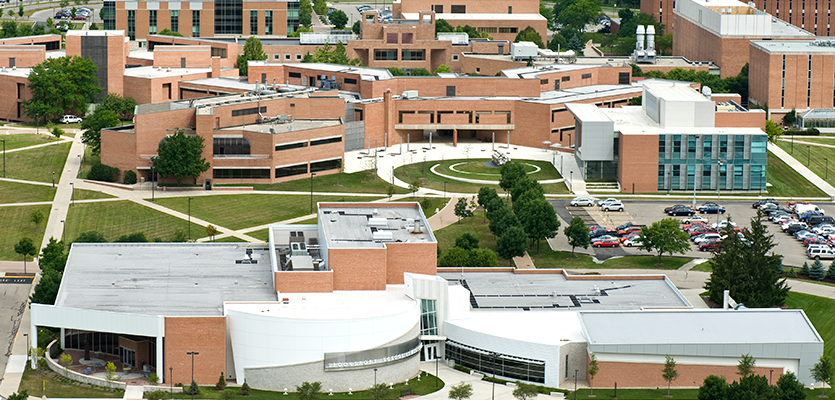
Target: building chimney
650	37
215	67
639	45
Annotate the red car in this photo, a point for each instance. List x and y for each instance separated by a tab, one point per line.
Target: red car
605	243
628	231
813	240
629	236
710	245
692	225
699	230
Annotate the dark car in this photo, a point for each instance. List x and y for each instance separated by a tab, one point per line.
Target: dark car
605	243
627	225
710	245
681	211
712	209
705	205
600	232
699	230
820	219
764	201
671	208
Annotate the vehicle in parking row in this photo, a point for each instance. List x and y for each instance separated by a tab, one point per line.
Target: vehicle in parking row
606	200
707	236
821	253
70	119
759	203
676	212
694	218
673	207
712	209
710	245
629	230
632	241
584	201
612	206
605	242
628	225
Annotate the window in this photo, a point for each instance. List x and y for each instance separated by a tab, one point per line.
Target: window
507	113
458	9
277	57
218	52
428	317
152	22
391	38
758	146
326	165
508	30
288	146
623	78
175	20
231	146
723	144
11	62
412	55
488	29
166	88
385	55
676	146
253	22
108	14
439	9
455	57
295	74
350	81
739	147
228	17
450	91
480	113
298	57
565	78
691	146
319	142
249	111
662	147
543	81
241	173
586	76
292	16
291	170
195	23
504	365
510	9
707	146
268	22
400	115
132	24
407	38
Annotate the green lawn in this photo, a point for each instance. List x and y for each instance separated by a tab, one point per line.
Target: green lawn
25	140
793	184
814	139
420	172
819	311
429	204
357	182
14	192
704	267
37	164
425	386
116	218
475	225
238	211
83	194
34	382
231	239
639	394
87	162
475	169
17	225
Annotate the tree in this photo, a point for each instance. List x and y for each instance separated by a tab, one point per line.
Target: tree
512	243
822	371
63	85
245	389
539	219
461	391
751	387
193	388
747	270
169	32
529	35
466	241
579	14
773	131
746	365
22	395
26	248
227	395
789	388
66	360
9	27
501	219
669	373
181	156
511	173
36	217
91	237
804	270
332	55
136	237
441	25
253	50
421	72
46	291
11	14
338	19
577	233
53	256
356	28
525	391
790	117
575	44
55	130
664	236
485	195
298	32
817	272
122	106
527	187
305	13
462	209
110	371
378	391
714	388
830	272
309	391
92	125
212	231
20	11
592	370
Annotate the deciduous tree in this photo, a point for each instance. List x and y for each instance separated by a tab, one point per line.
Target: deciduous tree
714	388
512	243
466	241
181	156
253	50
461	391
746	364
823	372
592	370
338	19
664	236
751	387
577	233
63	85
539	219
529	35
789	388
501	219
669	373
378	391
525	391
462	209
25	248
92	125
772	131
511	172
91	237
36	217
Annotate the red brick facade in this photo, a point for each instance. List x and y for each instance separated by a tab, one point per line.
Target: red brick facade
646	375
206	335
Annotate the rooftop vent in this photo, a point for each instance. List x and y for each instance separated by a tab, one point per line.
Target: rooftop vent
416	228
378	222
382	235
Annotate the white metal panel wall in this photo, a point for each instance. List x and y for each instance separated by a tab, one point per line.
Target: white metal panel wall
99	321
597	142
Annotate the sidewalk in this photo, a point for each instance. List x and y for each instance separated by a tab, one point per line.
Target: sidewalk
802	170
482	390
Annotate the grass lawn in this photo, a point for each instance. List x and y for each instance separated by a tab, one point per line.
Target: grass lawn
17	225
357	182
548	258
87	162
231	239
475	225
819	311
14	192
84	194
34	381
25	140
704	267
429	204
790	182
37	164
425	386
830	140
116	218
475	169
642	394
420	172
238	211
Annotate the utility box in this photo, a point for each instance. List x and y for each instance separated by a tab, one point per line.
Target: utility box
523	50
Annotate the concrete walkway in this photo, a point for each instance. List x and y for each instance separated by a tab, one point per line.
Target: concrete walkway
482	390
36	146
802	170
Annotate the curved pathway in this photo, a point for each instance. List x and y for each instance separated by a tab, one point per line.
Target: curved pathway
479	181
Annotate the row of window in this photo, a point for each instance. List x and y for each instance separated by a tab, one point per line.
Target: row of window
313	142
431	114
493	29
405	55
110	21
248	111
504	365
264	173
671	178
287	57
758	145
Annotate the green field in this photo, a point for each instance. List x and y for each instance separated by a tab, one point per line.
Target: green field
811	156
639	394
357	182
786	182
17	225
87	162
421	172
37	164
116	218
476	226
14	192
475	169
26	140
428	204
83	194
50	384
819	311
548	258
238	211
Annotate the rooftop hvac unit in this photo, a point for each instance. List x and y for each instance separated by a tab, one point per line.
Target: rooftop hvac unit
410	94
416	228
378	222
382	235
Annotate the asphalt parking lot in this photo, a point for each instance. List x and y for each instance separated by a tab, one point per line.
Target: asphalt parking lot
645	212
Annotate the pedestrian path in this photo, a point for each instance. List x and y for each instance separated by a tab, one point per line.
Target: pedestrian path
482	390
802	170
36	146
26	182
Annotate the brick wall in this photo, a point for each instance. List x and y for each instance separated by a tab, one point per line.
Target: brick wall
141	351
418	258
358	269
25	56
304	281
638	163
206	335
646	375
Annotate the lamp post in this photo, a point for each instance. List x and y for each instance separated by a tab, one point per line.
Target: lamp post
576	371
26	335
444	188
826	174
696	143
808	155
4	156
189	218
436	371
192	354
571	180
493	395
312	174
63	229
375	376
171	379
72	195
53	179
153	180
770	374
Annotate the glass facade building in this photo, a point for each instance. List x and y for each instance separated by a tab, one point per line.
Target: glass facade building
503	365
228	17
292	16
108	15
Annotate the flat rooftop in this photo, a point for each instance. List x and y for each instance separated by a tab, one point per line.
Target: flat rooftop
365	73
535	71
632	120
698	327
508	290
163	279
152	72
353	226
478	17
821	45
277	128
660	61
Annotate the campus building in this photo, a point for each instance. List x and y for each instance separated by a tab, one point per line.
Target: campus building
719	31
662	10
678	139
811	16
791	75
357	297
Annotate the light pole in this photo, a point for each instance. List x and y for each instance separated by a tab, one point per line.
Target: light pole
53	179
189	219
575	383
808	155
493	395
375	376
826	174
444	188
4	156
72	194
571	180
436	371
63	230
770	375
153	180
171	379
192	354
26	335
312	174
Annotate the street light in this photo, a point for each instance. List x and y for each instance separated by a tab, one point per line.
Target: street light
312	174
189	218
770	373
192	354
26	335
171	379
63	230
576	371
696	143
493	395
72	194
571	180
53	179
375	376
4	156
826	175
153	181
808	155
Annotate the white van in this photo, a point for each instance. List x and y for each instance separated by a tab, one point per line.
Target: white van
821	252
802	208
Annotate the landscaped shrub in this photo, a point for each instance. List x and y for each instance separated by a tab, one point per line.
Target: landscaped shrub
104	173
157	395
130	177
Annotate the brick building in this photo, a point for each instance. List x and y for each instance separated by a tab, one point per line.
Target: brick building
662	10
812	16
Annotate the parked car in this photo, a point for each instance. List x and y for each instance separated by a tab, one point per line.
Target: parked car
710	245
693	225
712	209
821	252
606	200
629	230
671	208
820	220
627	225
584	201
599	231
632	241
705	205
699	230
629	236
757	204
605	242
721	225
792	228
70	119
681	211
707	236
694	218
613	206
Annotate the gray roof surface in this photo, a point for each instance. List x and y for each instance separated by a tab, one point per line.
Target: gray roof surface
354	227
163	278
698	327
498	290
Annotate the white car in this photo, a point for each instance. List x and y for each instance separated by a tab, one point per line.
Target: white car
694	218
707	237
634	242
612	206
607	200
723	225
70	119
583	201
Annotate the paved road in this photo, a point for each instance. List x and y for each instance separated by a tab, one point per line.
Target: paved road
12	305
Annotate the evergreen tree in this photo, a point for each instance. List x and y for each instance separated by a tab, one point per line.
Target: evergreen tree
830	273
817	272
751	387
804	270
714	388
221	383
789	388
575	44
